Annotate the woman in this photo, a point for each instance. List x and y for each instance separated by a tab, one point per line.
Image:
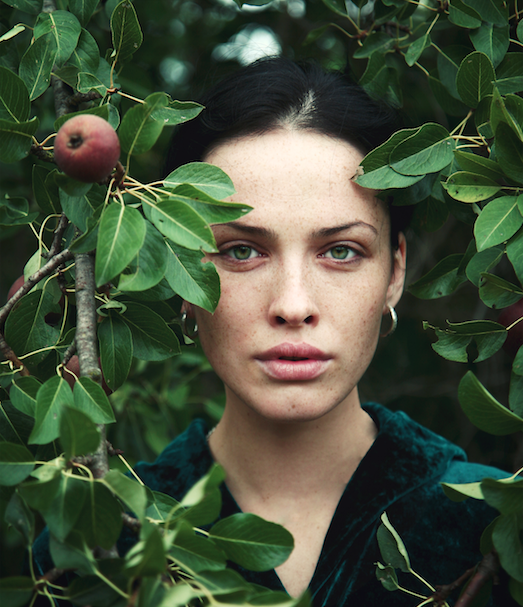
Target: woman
306	278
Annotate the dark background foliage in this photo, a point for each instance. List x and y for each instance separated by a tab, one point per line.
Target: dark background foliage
189	45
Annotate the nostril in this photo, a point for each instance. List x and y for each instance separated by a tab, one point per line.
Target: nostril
280	320
308	320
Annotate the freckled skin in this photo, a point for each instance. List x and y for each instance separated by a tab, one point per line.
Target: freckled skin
291	288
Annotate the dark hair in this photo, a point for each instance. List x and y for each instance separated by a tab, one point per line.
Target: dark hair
276	92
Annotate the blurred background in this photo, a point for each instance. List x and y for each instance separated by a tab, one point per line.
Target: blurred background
188	45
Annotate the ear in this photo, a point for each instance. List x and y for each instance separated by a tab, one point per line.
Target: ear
397	279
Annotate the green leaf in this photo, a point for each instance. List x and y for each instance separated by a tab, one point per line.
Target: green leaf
75	554
181	223
78	434
196	282
497	222
90	398
79	209
86	55
132	494
16	139
459	492
507	541
40	494
120	237
36	65
462	15
492	11
508	110
153	339
515	395
50	401
441	280
376	42
509	74
505	494
206	177
100	519
479	165
177	112
16	463
33	7
88	82
64	28
416	49
116	350
66	507
147	557
515	254
496	292
483	410
492	41
83	9
252	542
16	591
337	6
387	576
23	394
148	267
20	517
196	553
14	97
475	78
451	346
375	171
488	335
392	548
126	33
139	130
509	152
45	190
26	329
428	150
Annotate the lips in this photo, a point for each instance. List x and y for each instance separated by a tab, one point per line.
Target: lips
294	362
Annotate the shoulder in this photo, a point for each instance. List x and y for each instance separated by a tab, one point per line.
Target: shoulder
184	461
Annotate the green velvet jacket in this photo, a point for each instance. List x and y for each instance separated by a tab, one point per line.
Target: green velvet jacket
401	473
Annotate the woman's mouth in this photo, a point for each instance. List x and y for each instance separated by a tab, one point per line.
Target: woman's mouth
294	362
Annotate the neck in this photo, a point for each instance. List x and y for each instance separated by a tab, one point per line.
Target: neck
266	458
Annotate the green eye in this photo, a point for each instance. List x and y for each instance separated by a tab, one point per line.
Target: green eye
339	252
241	252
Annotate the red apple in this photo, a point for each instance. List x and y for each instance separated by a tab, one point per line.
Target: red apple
87	148
74	366
515	336
15	286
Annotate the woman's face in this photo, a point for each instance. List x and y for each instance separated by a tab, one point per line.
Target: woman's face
305	277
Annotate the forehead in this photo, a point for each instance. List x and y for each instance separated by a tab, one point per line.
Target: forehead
300	174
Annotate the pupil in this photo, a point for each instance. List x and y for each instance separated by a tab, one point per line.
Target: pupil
243	252
340	252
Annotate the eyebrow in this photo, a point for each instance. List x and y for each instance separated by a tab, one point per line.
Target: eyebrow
322	233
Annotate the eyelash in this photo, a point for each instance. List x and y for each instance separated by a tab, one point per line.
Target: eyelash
350	259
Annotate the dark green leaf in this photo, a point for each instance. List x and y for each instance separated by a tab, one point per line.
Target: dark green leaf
16	591
474	163
449	60
416	49
45	190
90	398
509	151
33	7
153	339
392	548
23	394
497	292
497	222
78	434
50	401
66	507
515	395
194	281
100	519
20	517
508	110
206	177
492	11
36	65
475	78
147	557
120	237
377	42
16	139
196	553
16	463
72	554
177	112
509	74
126	33
441	280
462	15
86	55
387	576
83	9
14	98
139	130
507	541
515	254
132	494
491	40
148	267
64	28
116	350
483	410
252	542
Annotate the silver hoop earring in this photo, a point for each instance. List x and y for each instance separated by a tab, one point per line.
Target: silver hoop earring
190	333
394	322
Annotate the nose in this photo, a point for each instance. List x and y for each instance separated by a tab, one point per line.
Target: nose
293	298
